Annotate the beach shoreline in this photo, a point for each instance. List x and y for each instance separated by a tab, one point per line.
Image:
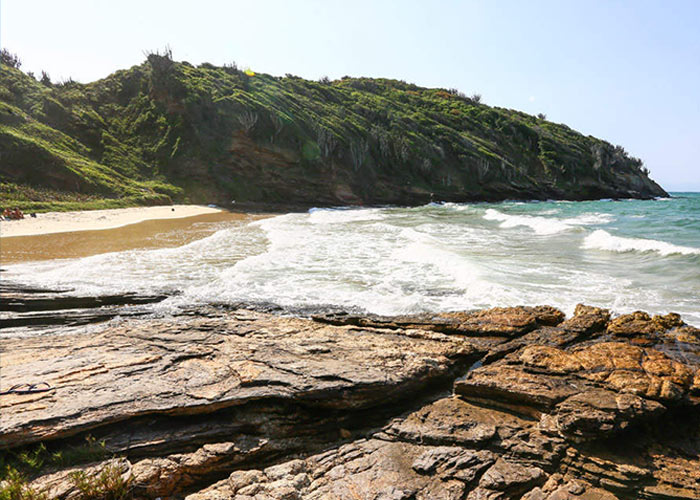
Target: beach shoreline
95	220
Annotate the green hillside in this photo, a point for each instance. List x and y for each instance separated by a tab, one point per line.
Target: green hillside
169	131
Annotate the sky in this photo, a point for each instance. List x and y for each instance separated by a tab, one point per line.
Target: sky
625	71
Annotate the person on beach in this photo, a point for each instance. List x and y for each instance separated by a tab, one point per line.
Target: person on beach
14	214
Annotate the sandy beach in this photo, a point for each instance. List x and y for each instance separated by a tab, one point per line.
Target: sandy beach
81	234
92	220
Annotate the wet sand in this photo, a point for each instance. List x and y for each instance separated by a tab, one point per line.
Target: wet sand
159	233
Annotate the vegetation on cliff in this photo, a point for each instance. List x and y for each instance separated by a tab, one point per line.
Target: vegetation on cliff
167	130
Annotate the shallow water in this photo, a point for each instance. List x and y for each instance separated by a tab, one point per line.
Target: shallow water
624	255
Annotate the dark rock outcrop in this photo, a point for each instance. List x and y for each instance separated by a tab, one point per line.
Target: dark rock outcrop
30	307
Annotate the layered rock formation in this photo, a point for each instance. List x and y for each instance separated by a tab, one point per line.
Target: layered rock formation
244	404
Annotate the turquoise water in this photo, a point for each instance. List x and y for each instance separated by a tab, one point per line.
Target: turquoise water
623	255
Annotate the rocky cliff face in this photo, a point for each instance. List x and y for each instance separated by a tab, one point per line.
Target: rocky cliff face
166	129
246	404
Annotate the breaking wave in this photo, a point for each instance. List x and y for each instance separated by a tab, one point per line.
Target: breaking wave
546	225
602	240
437	257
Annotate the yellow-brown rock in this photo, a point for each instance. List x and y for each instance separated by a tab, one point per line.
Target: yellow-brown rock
640	323
587	319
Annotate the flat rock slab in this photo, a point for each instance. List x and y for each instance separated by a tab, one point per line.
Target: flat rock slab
21	306
495	322
24	304
202	363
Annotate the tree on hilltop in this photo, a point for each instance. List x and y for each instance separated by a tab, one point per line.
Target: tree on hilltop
7	58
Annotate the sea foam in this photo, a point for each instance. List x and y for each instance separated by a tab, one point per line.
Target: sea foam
441	257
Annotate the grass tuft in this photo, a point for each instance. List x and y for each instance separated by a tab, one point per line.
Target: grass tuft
109	484
31	461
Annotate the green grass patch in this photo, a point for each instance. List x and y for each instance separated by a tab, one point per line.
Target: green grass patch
30	461
18	467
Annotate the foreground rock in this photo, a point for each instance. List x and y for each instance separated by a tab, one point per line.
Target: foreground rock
497	322
22	306
576	415
250	405
196	365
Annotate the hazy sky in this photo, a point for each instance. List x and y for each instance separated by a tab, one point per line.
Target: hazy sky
625	71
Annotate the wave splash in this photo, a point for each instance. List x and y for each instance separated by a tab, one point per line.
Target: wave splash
546	225
602	240
394	260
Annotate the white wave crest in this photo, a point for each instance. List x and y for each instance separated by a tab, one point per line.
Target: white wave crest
546	225
343	215
458	207
462	272
602	240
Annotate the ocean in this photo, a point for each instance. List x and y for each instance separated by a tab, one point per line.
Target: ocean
624	255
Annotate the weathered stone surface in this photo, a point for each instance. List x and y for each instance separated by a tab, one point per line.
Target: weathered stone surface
159	477
638	467
453	461
622	367
363	469
61	485
559	488
251	405
516	461
22	307
545	335
515	388
640	323
508	477
451	421
22	304
197	365
67	318
496	322
686	333
587	319
597	413
499	321
587	392
443	450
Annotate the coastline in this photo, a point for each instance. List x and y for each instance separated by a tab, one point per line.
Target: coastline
96	220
